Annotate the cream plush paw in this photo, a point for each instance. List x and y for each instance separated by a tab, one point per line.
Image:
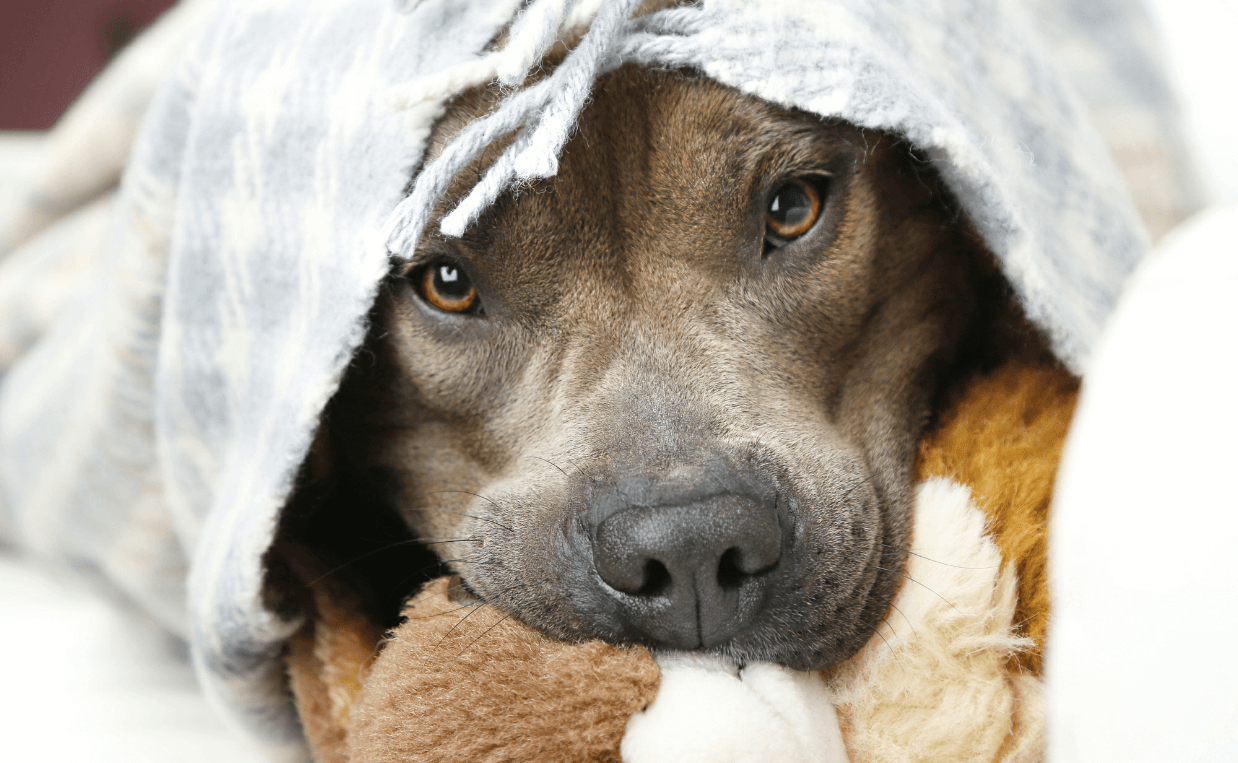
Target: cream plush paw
709	711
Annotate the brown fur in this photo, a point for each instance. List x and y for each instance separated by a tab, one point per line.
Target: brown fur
456	684
1003	439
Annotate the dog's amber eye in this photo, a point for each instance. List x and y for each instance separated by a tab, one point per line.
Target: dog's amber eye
446	286
793	208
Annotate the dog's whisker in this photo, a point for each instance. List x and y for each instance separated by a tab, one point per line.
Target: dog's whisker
934	561
461	587
466	492
433	615
539	458
438	563
479	601
857	486
429	540
462	514
905	617
474	605
889	646
388	547
483	633
474	562
930	590
362	557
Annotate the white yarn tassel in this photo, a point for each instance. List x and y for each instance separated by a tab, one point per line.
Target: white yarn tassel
452	80
577	73
532	34
584	12
409	218
544	114
573	81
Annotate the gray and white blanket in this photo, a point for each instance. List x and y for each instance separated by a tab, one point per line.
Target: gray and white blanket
167	346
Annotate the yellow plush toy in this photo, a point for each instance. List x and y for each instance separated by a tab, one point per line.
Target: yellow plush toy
953	673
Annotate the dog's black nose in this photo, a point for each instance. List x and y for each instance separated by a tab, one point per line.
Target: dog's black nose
689	576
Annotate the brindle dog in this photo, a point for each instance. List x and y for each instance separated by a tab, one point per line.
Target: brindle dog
672	395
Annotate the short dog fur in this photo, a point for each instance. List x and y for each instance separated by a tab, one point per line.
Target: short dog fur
658	423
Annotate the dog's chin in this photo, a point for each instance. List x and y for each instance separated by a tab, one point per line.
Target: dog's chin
809	657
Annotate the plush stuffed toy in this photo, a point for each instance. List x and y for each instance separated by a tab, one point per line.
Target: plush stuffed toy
953	673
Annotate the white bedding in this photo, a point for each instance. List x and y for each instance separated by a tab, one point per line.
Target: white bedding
82	680
86	682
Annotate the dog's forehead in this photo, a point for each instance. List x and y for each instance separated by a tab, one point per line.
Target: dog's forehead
665	165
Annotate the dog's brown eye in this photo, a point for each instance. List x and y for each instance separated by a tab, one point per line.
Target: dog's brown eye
792	210
445	286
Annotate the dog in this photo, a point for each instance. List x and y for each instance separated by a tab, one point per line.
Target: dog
670	396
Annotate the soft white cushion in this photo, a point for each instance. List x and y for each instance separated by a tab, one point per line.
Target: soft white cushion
1140	666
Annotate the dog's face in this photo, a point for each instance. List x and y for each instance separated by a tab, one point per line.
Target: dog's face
672	395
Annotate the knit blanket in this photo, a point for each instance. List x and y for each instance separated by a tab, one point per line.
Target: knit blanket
168	346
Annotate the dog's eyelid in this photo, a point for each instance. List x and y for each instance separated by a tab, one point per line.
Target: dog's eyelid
407	268
783	172
819	179
428	254
420	259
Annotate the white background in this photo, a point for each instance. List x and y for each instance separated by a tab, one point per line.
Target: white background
1201	47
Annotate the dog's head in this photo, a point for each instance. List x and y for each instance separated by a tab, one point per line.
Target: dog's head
672	395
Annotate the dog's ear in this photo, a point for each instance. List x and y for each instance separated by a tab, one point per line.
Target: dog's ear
329	658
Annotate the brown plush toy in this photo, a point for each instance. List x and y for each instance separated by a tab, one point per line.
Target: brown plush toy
952	674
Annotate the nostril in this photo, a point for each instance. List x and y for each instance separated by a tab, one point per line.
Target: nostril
689	575
721	544
730	576
657	579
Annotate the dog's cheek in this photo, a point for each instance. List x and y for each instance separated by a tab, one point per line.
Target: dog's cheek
455	367
859	540
523	561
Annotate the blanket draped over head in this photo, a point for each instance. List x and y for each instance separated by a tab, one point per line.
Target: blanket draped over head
167	347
